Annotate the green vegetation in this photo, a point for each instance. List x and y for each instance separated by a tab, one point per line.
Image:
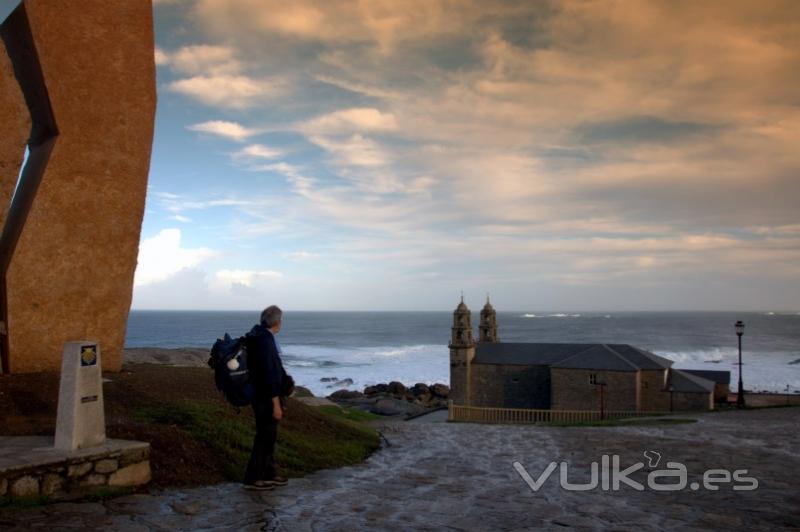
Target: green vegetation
308	440
350	414
624	422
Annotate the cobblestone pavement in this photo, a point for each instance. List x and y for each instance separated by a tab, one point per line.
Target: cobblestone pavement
445	476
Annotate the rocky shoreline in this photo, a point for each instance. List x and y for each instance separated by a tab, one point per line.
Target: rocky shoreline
395	398
386	399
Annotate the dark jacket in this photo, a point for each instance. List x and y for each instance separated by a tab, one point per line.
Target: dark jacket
264	364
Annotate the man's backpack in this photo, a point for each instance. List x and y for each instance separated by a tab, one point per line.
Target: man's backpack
229	361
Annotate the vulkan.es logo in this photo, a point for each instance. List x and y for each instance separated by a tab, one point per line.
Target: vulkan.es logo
609	476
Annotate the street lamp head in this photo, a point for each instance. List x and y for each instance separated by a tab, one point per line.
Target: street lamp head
739	328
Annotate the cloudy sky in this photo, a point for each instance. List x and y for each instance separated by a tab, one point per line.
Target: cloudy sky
562	155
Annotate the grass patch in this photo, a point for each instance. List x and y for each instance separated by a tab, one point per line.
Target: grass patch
349	413
623	422
228	436
318	440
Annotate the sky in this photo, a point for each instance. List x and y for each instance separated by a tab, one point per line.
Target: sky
560	155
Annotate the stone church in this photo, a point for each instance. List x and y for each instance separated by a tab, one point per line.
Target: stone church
614	377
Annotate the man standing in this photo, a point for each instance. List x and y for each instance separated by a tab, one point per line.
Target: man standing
267	375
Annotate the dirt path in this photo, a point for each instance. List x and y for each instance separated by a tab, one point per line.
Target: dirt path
437	476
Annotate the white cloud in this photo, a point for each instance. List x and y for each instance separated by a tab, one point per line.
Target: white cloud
355	150
351	120
222	128
300	256
162	256
289	170
178	204
180	218
205	59
227	91
248	278
257	151
161	57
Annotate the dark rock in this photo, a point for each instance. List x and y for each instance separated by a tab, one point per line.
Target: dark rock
440	390
345	394
340	383
396	388
302	391
795	361
420	389
378	388
329	379
392	407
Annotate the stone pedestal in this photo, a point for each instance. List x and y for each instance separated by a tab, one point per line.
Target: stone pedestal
80	421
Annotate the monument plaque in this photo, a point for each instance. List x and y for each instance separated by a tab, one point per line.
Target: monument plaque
80	421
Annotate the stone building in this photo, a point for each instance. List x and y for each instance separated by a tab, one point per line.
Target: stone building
616	377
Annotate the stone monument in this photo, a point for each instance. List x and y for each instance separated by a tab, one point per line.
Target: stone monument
80	421
78	79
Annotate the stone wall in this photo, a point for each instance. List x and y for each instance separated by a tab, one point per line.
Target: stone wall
79	476
510	386
571	389
689	402
721	392
651	390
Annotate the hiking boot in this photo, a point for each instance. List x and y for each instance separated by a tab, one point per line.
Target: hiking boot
259	485
275	481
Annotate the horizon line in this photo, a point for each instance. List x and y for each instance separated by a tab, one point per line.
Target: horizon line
602	311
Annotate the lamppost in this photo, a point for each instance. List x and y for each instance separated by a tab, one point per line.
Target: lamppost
740	394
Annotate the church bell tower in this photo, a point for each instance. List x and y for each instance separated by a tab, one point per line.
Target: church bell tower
462	352
488	325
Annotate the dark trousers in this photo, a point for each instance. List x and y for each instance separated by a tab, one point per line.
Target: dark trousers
262	461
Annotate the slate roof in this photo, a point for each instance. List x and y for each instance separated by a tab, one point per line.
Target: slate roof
618	357
525	354
598	356
720	377
642	359
683	381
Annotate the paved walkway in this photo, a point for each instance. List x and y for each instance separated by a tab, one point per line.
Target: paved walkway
444	476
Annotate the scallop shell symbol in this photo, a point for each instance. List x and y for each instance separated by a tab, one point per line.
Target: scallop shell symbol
88	355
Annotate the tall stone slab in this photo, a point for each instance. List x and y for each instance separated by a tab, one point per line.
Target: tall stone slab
71	273
15	126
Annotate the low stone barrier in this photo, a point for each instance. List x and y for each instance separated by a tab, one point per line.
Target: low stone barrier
28	470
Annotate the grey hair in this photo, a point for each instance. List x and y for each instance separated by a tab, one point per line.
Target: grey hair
271	316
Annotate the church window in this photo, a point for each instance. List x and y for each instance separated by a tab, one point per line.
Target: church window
593	378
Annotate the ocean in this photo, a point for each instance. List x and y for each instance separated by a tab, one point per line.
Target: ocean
355	349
